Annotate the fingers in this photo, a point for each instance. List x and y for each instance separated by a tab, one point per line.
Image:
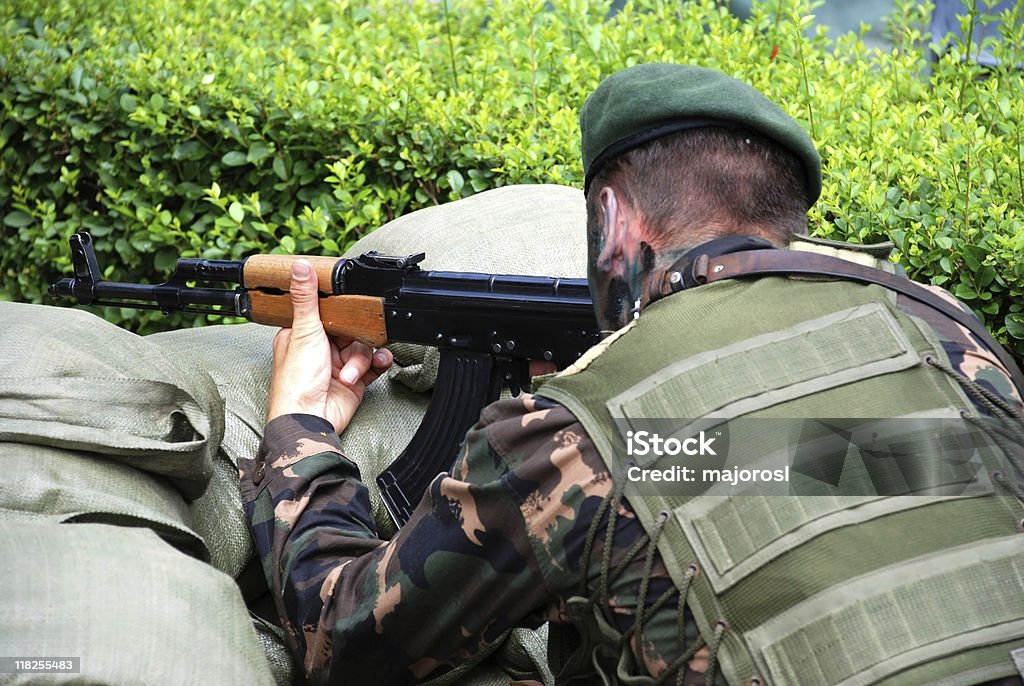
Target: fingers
540	367
356	362
382	359
305	299
379	363
361	364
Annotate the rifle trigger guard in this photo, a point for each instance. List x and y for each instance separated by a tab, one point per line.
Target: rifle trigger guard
513	374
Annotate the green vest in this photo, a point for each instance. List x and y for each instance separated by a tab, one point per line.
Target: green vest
842	586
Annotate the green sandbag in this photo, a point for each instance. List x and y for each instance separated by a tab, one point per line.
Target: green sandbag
43	483
218	518
134	609
237	358
68	379
528	229
271	638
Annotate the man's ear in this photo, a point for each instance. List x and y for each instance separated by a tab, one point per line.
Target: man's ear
613	232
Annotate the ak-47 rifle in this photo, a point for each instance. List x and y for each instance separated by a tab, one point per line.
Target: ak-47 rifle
486	326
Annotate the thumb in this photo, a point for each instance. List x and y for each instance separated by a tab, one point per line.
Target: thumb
304	296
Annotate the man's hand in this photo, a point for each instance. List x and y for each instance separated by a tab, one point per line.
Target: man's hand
314	373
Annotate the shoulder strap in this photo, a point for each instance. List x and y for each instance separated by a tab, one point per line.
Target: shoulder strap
774	262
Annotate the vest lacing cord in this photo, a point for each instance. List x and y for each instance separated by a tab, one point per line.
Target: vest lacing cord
1010	427
611	503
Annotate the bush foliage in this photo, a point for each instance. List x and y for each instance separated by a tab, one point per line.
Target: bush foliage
226	127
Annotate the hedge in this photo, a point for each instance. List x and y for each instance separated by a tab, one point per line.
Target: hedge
227	127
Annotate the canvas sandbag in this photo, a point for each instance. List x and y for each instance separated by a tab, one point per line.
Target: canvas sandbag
134	609
519	659
218	518
71	380
279	659
43	483
238	359
527	229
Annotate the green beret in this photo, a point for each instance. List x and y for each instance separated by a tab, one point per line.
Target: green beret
642	103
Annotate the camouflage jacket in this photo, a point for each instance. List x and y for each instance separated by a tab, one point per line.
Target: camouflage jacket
497	543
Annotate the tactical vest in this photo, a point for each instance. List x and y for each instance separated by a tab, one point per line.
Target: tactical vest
845	586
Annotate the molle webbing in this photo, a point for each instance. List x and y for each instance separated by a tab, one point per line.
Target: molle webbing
758	372
735	537
755	263
836	638
825	589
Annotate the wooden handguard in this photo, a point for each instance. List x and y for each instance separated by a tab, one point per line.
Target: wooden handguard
359	317
275	271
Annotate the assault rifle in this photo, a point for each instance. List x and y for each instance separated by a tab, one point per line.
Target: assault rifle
486	326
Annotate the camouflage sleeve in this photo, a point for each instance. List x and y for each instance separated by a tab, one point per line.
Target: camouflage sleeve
495	544
309	514
362	610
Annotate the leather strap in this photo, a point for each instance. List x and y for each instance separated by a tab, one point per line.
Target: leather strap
774	262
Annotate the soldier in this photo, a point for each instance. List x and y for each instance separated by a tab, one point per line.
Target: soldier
688	173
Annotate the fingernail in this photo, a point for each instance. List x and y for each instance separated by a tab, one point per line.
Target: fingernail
300	270
349	376
381	357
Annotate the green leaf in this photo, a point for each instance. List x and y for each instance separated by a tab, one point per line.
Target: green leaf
965	292
288	243
1015	325
455	180
257	152
985	276
165	259
6	131
280	169
188	150
974	256
18	219
94	98
234	159
236	212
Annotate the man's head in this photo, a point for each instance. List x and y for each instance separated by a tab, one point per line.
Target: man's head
677	155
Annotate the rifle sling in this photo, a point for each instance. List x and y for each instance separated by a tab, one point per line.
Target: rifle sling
773	262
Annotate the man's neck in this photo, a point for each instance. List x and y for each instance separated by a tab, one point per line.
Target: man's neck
675	265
